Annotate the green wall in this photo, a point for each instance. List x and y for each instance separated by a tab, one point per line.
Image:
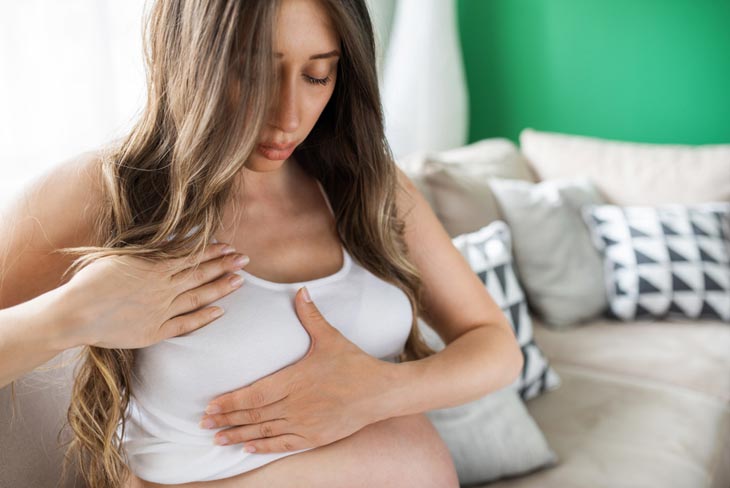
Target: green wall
636	70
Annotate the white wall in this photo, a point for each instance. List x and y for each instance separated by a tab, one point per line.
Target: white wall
71	79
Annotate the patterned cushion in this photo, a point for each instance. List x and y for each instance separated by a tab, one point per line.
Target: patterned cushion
667	261
489	254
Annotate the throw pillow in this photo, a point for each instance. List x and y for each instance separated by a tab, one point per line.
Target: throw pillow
491	437
489	254
457	181
665	261
556	262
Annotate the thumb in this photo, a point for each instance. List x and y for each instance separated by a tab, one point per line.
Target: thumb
309	315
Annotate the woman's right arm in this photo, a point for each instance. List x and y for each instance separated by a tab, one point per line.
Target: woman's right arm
103	305
33	332
56	209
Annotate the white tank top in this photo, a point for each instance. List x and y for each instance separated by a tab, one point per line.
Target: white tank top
260	333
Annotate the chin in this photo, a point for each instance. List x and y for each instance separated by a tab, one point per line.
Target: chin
261	164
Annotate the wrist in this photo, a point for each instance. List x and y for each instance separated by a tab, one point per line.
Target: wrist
395	397
64	318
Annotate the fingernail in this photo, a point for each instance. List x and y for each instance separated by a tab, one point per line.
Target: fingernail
221	440
211	409
249	449
235	280
228	250
207	424
307	298
241	260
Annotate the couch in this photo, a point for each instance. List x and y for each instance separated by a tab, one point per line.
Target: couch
644	403
641	404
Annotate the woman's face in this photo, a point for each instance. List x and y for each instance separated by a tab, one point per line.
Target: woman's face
307	50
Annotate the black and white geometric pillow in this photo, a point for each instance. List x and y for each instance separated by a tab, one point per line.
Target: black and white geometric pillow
489	254
667	261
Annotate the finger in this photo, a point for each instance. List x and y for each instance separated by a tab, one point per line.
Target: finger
182	324
280	443
236	435
244	417
204	295
263	392
211	251
312	320
193	277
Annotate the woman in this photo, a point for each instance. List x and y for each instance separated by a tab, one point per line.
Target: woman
341	382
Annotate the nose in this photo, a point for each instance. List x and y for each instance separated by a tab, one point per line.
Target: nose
286	106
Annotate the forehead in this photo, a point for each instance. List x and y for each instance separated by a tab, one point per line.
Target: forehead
303	28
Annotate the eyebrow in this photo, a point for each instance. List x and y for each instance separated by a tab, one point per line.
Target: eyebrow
330	54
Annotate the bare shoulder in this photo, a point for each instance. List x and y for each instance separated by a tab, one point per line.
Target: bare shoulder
56	209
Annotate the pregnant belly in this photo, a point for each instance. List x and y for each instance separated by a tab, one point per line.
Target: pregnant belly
396	452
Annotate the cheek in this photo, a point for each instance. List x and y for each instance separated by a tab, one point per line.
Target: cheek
316	104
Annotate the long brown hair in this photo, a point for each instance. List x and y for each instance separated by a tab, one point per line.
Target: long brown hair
165	184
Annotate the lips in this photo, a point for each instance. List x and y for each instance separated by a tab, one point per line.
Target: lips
274	153
278	147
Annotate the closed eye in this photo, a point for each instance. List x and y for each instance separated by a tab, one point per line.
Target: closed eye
317	81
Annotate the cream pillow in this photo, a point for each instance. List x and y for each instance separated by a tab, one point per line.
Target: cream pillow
457	181
631	173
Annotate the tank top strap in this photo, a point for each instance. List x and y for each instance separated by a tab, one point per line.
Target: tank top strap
326	199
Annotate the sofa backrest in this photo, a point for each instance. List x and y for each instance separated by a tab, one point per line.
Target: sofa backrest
631	173
455	181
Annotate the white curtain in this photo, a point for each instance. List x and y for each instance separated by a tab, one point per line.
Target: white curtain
71	79
381	14
424	86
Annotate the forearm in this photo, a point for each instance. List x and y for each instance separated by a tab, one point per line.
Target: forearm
480	361
32	333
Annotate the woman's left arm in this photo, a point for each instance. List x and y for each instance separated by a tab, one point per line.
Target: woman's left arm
481	355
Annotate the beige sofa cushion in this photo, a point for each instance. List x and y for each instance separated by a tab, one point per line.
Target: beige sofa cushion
629	173
614	430
644	403
692	354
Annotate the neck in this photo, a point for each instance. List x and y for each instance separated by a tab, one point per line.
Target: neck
265	185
